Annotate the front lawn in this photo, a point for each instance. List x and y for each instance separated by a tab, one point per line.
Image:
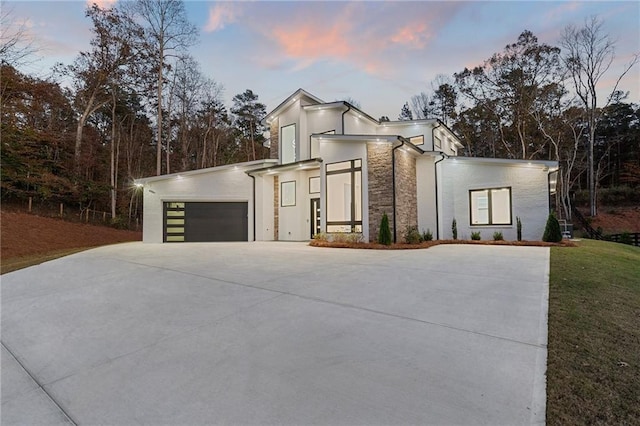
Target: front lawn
593	374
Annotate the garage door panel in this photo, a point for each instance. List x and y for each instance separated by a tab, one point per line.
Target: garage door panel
214	221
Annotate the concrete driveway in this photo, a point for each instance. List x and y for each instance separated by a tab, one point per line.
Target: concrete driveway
277	333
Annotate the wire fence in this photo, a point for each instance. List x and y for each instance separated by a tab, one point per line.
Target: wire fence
80	215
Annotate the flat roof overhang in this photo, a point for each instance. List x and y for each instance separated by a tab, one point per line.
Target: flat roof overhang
311	164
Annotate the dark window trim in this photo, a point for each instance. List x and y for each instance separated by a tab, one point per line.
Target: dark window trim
439	146
490	207
314	177
165	217
294	194
352	172
295	156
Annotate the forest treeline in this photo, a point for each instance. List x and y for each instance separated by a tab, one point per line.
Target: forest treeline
137	104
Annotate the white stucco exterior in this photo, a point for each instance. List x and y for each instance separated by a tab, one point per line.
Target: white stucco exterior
327	133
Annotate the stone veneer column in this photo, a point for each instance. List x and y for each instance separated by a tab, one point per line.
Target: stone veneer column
406	192
379	175
276	208
274	133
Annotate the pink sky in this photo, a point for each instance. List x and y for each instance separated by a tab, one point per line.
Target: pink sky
379	53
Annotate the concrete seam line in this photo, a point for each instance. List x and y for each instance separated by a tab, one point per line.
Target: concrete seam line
164	339
62	410
346	305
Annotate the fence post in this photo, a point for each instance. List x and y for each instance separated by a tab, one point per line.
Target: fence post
104	216
61	209
30	201
86	216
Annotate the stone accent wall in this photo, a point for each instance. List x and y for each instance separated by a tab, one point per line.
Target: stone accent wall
406	192
276	207
379	175
274	133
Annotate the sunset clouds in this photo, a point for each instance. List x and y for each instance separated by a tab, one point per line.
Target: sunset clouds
221	14
377	52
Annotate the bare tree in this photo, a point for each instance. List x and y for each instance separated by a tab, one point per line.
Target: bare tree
588	55
94	72
167	33
16	48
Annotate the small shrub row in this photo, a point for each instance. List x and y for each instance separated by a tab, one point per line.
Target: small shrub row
413	236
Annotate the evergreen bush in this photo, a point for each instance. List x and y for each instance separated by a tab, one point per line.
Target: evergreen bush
552	232
384	235
519	228
454	229
475	236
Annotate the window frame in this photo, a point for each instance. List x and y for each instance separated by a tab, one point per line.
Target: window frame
312	190
490	206
282	190
295	146
353	224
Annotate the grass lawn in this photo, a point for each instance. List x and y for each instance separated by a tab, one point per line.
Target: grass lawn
593	374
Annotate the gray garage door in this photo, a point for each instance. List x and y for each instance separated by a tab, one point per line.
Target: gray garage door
205	222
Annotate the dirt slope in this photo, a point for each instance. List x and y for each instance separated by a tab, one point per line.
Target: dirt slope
24	234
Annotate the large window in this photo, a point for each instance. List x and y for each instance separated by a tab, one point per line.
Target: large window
344	196
288	145
490	206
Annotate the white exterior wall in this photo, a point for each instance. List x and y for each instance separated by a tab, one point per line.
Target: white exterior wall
229	184
334	151
426	193
409	130
354	125
290	116
529	197
293	220
264	208
320	121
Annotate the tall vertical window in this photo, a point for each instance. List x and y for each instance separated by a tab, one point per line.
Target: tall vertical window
344	196
490	206
288	144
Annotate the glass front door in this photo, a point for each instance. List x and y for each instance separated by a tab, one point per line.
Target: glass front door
315	216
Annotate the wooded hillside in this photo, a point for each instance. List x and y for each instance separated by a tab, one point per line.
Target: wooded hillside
137	104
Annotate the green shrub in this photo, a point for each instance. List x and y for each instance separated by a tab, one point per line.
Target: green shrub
412	236
552	232
321	236
475	236
427	235
497	236
625	238
354	238
454	229
519	228
384	235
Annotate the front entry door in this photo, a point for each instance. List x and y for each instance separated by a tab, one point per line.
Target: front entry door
315	216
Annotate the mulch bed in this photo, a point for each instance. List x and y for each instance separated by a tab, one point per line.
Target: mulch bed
428	244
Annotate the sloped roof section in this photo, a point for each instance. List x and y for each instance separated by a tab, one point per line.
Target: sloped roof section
298	94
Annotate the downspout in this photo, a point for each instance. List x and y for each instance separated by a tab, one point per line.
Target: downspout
393	186
435	173
346	111
254	204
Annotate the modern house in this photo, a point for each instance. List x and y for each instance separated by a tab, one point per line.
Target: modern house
335	169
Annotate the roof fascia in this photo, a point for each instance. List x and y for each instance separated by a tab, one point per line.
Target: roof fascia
507	161
285	167
196	172
300	92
